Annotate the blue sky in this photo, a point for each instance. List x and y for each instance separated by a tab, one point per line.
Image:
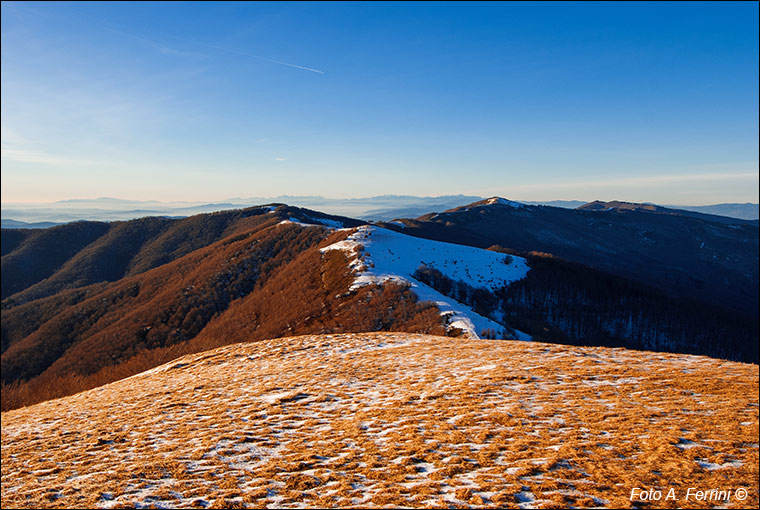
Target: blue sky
205	101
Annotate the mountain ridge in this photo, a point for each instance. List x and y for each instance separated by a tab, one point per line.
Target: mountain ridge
619	206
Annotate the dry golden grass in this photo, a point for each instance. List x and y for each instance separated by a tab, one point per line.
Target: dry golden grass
392	419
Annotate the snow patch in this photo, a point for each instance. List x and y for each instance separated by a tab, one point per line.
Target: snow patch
291	221
327	222
710	466
318	222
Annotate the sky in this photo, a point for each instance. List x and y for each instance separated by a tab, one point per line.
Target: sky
643	102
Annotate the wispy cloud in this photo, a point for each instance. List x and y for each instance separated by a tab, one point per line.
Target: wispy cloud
10	138
27	156
280	159
161	48
177	53
17	148
649	180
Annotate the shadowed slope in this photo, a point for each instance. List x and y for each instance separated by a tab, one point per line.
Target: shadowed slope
11	239
30	256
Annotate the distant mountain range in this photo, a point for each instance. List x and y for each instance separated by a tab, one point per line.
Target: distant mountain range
113	209
379	208
8	223
745	211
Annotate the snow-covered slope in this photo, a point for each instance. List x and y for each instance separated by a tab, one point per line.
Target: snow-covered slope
383	255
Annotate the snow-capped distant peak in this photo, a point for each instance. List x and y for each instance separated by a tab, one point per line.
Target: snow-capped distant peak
487	202
503	201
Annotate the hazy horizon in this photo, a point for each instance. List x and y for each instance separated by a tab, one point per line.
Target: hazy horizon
377	208
235	199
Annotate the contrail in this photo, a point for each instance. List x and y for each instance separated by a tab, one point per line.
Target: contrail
291	65
264	58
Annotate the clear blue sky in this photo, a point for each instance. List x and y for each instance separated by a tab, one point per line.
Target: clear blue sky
204	101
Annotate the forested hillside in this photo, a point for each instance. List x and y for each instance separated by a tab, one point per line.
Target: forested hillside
40	263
